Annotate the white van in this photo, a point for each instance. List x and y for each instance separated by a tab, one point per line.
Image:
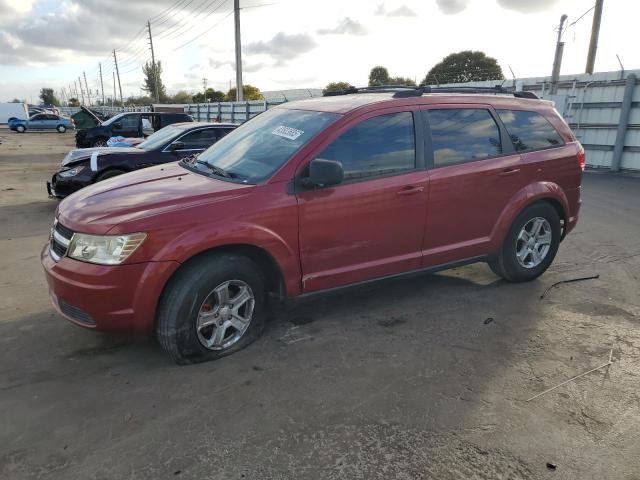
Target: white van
10	110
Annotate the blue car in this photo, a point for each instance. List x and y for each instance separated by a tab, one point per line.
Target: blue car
42	121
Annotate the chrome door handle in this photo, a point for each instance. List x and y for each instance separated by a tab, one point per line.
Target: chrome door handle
410	190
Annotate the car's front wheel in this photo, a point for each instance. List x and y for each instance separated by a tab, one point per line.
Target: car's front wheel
99	142
213	306
21	129
61	128
531	244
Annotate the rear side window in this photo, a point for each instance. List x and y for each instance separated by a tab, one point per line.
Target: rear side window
463	135
529	130
378	146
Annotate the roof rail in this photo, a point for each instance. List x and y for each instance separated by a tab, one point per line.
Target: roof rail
410	91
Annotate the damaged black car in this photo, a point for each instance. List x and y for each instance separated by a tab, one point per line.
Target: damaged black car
85	166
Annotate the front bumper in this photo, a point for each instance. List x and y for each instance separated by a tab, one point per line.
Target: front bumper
120	299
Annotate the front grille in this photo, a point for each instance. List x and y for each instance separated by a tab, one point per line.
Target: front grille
75	313
60	239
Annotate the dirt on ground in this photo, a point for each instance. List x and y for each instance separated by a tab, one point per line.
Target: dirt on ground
425	377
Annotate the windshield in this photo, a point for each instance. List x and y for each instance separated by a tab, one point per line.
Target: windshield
159	138
114	119
256	149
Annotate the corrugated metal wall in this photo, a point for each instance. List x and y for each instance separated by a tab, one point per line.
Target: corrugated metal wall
591	104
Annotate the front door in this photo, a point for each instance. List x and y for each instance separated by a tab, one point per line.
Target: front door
474	174
127	126
372	224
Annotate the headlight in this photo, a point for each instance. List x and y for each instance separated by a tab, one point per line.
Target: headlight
72	172
104	249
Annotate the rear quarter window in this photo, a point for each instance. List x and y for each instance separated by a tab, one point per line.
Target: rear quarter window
463	135
529	130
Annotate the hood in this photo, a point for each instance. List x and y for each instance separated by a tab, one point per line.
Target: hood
80	154
144	193
92	114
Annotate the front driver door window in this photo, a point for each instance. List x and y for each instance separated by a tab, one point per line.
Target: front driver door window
129	126
372	224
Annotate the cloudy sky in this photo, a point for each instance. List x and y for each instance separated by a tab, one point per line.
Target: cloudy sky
293	43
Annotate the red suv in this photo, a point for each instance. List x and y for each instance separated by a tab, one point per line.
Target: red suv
310	196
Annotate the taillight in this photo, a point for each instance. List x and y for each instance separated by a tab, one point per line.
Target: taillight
582	159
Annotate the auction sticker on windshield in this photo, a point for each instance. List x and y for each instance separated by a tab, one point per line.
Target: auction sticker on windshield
287	132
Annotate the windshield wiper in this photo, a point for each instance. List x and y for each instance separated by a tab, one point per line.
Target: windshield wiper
216	170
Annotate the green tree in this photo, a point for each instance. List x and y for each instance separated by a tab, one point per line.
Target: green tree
250	93
336	87
17	100
466	66
180	97
74	102
379	76
48	98
213	95
402	81
153	81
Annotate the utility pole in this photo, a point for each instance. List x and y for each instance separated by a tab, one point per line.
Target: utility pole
113	99
87	87
81	90
153	62
115	59
557	60
204	87
236	13
595	32
101	84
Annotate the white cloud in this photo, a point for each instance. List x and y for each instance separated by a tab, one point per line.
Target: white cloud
346	26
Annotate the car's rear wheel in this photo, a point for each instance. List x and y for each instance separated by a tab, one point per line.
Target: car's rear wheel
530	245
109	174
21	129
61	128
99	142
213	306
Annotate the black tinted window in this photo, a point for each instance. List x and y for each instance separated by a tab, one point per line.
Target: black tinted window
129	122
529	130
200	138
377	146
39	116
463	135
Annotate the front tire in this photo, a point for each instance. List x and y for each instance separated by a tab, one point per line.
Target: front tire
20	129
530	245
99	142
61	128
213	306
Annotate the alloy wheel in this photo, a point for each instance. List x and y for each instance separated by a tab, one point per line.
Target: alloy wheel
533	242
225	315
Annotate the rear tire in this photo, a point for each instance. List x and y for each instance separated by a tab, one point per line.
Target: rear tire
20	129
61	128
191	295
99	142
530	245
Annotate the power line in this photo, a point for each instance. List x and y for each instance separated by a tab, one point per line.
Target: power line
206	31
166	11
195	19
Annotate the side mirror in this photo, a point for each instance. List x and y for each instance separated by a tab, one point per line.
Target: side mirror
325	173
176	146
117	125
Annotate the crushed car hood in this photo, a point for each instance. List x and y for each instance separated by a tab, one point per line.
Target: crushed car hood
81	154
148	192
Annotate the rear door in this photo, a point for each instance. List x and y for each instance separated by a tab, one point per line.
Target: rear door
372	224
474	173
